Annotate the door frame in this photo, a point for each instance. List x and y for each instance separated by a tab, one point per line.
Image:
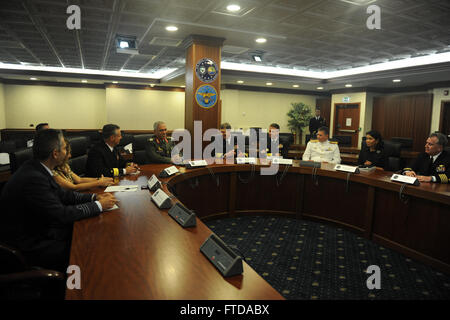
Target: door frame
359	115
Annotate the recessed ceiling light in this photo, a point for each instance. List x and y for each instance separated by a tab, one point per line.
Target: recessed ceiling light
240	81
171	28
115	81
396	80
269	83
33	78
233	7
295	85
84	81
152	85
183	86
348	85
261	40
319	88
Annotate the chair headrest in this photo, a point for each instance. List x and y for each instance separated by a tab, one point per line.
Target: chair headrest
78	145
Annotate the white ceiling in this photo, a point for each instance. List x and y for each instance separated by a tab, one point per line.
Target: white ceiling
315	35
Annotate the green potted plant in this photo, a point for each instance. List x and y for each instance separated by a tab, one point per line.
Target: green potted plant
299	117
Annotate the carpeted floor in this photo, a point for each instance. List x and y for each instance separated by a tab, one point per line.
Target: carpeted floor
307	260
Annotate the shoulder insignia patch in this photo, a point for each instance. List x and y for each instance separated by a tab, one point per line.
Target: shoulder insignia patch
313	140
334	142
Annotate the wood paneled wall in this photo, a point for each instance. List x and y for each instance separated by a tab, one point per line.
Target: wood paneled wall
324	104
404	116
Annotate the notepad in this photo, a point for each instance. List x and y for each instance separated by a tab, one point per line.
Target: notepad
128	188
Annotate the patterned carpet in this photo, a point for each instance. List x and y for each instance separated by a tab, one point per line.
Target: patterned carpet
307	260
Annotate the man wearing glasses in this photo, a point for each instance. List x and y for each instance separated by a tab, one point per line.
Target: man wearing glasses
434	164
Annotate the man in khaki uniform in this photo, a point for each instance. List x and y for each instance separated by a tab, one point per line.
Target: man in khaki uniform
159	148
322	150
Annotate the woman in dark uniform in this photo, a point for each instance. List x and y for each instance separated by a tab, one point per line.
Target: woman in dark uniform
373	154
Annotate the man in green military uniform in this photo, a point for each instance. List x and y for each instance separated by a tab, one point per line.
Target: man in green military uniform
159	148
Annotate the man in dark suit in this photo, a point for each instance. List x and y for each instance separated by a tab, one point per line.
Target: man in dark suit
273	139
434	164
104	158
315	123
230	149
37	214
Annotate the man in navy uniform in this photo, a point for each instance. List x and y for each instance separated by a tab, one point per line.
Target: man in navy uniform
104	158
434	164
315	123
322	150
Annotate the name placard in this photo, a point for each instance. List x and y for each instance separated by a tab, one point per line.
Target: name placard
196	164
167	172
405	179
161	199
342	167
282	161
243	160
153	183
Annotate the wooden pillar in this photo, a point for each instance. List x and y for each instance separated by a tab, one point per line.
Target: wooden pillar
202	93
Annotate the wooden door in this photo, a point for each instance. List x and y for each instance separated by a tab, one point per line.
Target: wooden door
346	122
445	119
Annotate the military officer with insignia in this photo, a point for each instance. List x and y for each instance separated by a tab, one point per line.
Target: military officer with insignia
315	123
322	150
273	139
434	164
159	148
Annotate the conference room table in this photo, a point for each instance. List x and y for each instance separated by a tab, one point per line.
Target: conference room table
139	252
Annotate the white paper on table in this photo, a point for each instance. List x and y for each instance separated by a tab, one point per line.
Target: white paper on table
128	188
113	208
4	158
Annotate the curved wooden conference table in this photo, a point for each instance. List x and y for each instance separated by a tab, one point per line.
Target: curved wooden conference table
140	252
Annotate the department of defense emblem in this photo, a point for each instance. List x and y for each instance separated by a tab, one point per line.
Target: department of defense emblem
206	70
206	96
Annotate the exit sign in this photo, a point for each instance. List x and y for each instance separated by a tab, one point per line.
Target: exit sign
346	99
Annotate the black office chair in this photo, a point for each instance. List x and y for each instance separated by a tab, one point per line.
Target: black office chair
126	139
392	150
17	158
139	143
79	146
20	281
406	143
344	141
7	146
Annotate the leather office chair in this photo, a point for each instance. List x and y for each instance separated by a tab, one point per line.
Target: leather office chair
344	141
17	158
77	162
7	146
406	143
126	139
139	143
18	280
392	150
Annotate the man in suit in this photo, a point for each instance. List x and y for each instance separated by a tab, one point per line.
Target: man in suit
104	158
315	123
322	149
230	149
273	139
37	214
159	148
434	164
